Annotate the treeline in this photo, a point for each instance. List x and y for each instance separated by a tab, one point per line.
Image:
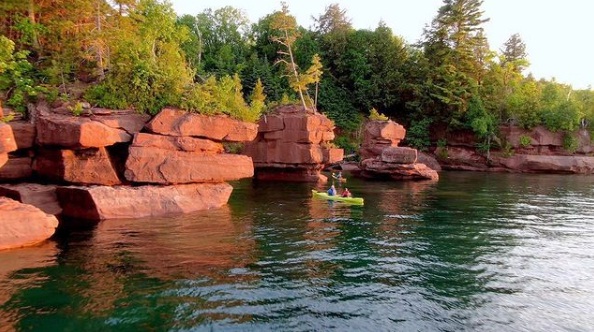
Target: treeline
140	54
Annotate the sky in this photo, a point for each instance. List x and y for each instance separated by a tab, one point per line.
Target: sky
557	34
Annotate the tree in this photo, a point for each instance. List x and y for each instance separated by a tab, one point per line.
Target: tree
223	35
454	45
286	26
514	52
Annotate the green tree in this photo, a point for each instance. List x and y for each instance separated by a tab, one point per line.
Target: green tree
454	45
148	70
223	36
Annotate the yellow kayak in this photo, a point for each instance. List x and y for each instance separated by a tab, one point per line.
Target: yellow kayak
350	200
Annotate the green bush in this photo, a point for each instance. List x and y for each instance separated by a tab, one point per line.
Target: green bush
525	141
570	142
417	134
346	144
374	115
17	76
233	147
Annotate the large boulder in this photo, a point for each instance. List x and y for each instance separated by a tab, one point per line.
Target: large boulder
77	132
159	166
376	169
379	135
99	202
23	225
173	122
81	166
41	196
382	158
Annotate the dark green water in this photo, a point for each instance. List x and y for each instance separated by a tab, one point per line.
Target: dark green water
476	252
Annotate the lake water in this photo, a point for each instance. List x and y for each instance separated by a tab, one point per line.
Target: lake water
473	251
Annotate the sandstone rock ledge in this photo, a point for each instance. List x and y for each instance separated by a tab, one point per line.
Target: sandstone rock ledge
101	202
23	225
293	145
382	158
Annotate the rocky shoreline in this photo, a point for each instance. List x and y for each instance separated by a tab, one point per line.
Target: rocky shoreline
112	164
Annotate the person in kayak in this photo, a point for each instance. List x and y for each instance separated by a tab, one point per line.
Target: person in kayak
346	193
332	191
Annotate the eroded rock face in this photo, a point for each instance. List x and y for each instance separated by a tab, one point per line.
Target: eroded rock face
23	225
159	166
16	168
161	159
293	145
177	143
548	164
129	121
41	196
379	135
384	159
100	202
81	166
172	122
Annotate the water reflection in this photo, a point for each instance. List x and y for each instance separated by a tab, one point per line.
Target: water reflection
470	252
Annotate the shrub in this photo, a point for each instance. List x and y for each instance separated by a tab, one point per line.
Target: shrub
525	141
233	147
346	144
374	115
570	142
418	134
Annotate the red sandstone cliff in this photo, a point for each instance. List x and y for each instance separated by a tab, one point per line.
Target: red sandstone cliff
537	150
119	164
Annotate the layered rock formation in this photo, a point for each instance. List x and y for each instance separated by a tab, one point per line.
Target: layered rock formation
537	150
20	224
293	145
120	164
382	158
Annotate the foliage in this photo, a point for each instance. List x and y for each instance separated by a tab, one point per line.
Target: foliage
139	54
374	115
77	109
418	135
337	106
348	145
570	142
16	76
223	96
508	149
7	118
233	147
525	141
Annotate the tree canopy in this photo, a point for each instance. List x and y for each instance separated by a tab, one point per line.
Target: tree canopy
140	54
